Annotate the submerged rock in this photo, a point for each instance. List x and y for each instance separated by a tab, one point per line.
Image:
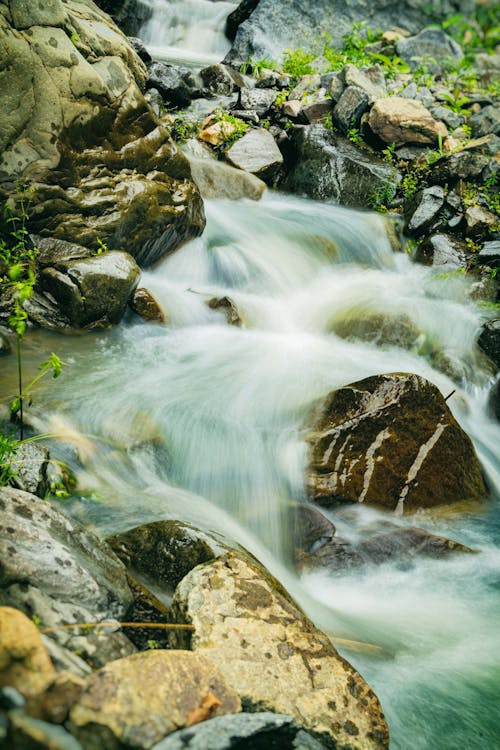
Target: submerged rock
391	441
135	702
145	305
273	655
323	165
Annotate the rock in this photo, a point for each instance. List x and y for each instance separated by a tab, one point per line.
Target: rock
443	252
175	84
486	121
155	99
140	49
424	210
325	166
92	292
5	345
370	80
135	702
27	733
222	79
399	120
306	85
256	152
84	118
292	108
238	16
432	48
54	702
351	106
263	30
494	401
228	307
130	15
218	180
164	550
31	467
54	568
464	165
480	221
216	132
145	305
274	657
490	254
311	528
489	340
11	698
257	100
390	441
239	731
451	119
377	328
51	251
24	661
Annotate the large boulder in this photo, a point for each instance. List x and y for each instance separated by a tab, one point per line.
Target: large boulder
266	28
74	124
54	568
130	15
390	441
136	701
273	655
323	165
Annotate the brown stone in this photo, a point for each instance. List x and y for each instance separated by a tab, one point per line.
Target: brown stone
145	305
391	441
398	120
24	661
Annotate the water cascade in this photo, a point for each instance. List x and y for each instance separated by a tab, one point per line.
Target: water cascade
189	31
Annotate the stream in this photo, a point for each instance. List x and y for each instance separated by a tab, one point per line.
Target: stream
202	421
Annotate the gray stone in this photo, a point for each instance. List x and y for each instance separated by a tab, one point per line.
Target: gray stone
432	48
222	79
27	733
258	100
479	221
465	165
489	340
307	84
323	165
318	111
450	118
31	466
175	84
490	253
486	121
443	252
256	152
311	527
425	210
370	80
51	251
238	731
494	401
351	106
92	291
55	568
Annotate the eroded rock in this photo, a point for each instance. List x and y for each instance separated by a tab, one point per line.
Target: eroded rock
391	441
399	120
274	657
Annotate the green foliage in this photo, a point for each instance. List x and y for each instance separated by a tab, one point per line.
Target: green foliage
381	198
8	448
354	135
256	67
183	129
235	129
281	97
297	62
101	247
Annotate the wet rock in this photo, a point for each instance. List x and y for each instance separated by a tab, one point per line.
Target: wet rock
238	731
164	550
376	328
323	165
141	50
311	529
24	661
486	121
464	165
228	307
371	80
238	16
400	121
273	656
10	698
218	180
257	100
256	152
489	340
317	111
480	221
494	401
135	702
92	291
31	468
442	251
425	210
351	106
431	47
130	15
146	612
27	733
390	441
175	84
54	568
222	79
145	305
490	254
51	251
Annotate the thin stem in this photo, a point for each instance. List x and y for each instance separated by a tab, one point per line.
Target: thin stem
20	385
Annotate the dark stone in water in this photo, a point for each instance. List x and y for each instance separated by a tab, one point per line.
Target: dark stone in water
489	340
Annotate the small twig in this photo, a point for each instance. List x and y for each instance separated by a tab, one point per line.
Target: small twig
88	625
450	394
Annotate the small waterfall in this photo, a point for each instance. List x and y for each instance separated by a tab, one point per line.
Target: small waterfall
187	30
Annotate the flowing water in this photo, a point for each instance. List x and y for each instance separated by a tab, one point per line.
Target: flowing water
203	421
187	31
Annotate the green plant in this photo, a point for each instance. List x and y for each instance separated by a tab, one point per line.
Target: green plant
297	62
256	67
389	153
354	135
183	129
281	97
101	247
8	448
382	197
232	129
